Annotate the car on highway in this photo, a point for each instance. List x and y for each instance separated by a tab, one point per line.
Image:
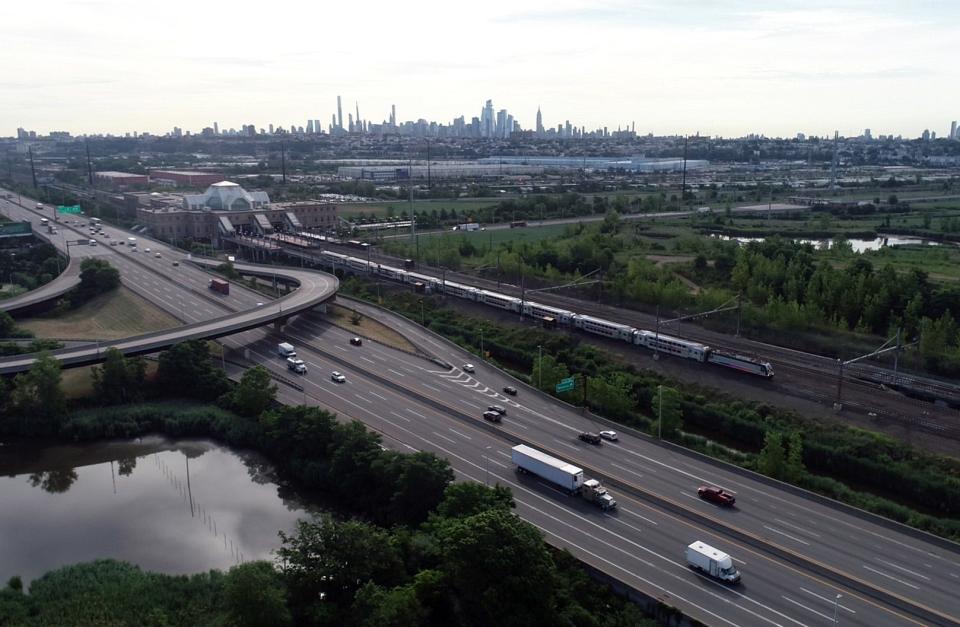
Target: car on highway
114	243
355	341
468	368
176	263
336	377
497	408
590	438
716	495
492	416
146	250
609	435
509	389
93	242
157	255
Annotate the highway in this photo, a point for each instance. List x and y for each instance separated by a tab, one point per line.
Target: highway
419	404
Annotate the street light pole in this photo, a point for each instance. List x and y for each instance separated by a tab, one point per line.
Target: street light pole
486	467
836	606
660	412
540	366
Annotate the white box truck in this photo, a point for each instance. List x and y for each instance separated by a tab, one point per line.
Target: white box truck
710	561
286	350
560	473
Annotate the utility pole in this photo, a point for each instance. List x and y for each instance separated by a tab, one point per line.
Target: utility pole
838	404
33	171
896	353
89	164
739	311
683	184
660	412
283	161
428	165
540	367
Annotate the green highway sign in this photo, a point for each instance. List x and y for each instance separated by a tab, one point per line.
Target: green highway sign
566	385
69	209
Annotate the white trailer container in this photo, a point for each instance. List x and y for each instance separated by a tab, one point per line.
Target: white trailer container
286	350
710	561
556	471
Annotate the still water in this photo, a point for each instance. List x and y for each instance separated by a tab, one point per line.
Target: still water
172	506
858	245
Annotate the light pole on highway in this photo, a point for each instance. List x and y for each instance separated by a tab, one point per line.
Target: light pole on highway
836	606
421	312
660	412
540	366
481	344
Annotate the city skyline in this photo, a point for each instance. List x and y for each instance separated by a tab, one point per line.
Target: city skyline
669	68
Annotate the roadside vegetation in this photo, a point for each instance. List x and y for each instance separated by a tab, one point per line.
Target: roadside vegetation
862	468
408	548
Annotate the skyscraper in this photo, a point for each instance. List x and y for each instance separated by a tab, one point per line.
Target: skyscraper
488	124
539	123
953	130
216	129
393	116
339	114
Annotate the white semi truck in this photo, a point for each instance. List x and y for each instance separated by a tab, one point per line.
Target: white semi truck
562	474
712	562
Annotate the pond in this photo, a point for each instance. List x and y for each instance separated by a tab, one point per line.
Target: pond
171	506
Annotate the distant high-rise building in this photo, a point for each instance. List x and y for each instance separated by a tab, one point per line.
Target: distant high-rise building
393	116
866	134
339	114
926	135
539	123
501	130
953	130
488	124
359	123
350	122
271	129
310	126
216	129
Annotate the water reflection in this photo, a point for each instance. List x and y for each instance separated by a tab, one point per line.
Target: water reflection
169	506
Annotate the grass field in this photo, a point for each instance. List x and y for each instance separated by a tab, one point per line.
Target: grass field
116	315
340	316
398	206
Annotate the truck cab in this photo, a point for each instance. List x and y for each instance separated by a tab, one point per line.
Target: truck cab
596	493
712	562
296	365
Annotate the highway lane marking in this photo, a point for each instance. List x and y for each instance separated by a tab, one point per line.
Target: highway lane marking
809	609
567	444
627	511
368	360
616	465
462	435
493	461
399	374
906	570
340	348
364	399
450	440
785	534
797	527
393	413
416	413
435	389
880	572
382	398
830	601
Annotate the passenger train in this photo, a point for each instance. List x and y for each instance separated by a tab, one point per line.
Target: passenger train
657	342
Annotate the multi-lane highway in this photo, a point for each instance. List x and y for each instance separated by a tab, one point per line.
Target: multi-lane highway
880	571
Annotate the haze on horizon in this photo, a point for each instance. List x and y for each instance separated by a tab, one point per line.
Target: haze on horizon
681	66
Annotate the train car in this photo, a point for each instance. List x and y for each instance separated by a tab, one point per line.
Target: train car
672	345
390	272
500	301
460	291
338	259
750	365
536	310
431	284
358	265
599	326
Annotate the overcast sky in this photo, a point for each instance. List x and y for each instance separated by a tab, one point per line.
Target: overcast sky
669	66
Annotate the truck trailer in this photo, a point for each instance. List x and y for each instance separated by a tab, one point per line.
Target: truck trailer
219	285
562	474
712	562
285	349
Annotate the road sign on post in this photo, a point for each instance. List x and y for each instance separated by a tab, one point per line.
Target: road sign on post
566	385
69	209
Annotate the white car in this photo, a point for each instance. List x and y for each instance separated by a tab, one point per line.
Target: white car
609	435
468	368
336	377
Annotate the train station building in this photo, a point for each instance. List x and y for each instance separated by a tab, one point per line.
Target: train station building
225	210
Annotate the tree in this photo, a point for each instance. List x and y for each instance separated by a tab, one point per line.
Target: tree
97	276
667	413
186	368
500	569
399	607
37	399
255	595
119	380
771	461
794	468
461	500
552	372
423	479
254	394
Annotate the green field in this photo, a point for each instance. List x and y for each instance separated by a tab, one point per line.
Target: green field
384	208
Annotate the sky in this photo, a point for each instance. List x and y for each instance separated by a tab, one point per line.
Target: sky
714	67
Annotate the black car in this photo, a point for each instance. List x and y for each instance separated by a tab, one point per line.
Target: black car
355	341
512	391
590	438
492	416
498	409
